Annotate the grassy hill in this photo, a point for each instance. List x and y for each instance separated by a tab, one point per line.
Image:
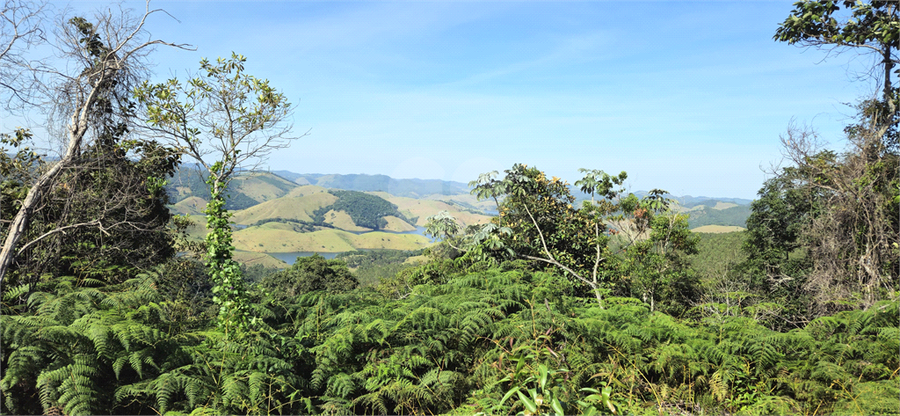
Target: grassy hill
189	206
246	190
250	258
420	209
342	220
285	238
291	212
722	214
717	229
300	208
397	225
364	209
261	187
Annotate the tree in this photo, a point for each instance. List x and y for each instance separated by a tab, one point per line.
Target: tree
310	274
851	229
656	268
21	28
852	237
777	261
872	26
89	94
226	121
537	222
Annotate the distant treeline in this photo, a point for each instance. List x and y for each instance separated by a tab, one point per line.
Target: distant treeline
736	216
411	188
304	226
365	210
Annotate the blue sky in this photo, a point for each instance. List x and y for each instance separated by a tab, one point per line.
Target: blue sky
689	97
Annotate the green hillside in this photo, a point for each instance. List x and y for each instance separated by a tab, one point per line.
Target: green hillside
420	209
277	237
261	187
300	208
702	215
246	190
367	211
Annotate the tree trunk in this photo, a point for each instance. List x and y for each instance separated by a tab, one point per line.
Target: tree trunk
19	226
888	66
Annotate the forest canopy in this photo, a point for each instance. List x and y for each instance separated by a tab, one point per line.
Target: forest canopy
607	306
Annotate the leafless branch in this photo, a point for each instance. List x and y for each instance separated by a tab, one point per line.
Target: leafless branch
72	92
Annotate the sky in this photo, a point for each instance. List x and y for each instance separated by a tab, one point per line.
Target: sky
685	96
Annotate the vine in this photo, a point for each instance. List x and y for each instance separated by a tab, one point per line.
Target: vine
225	273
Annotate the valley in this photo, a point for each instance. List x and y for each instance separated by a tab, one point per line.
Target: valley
272	214
279	216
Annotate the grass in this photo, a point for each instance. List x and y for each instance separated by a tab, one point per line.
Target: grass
261	187
305	190
249	258
288	207
415	260
424	208
390	241
275	238
189	206
342	220
397	225
718	229
283	238
724	205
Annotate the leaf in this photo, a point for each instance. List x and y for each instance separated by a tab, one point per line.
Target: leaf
557	407
529	404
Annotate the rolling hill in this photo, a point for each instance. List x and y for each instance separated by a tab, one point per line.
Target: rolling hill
290	212
246	190
276	237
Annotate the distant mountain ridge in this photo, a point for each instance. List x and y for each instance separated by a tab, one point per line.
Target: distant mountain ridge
410	188
188	192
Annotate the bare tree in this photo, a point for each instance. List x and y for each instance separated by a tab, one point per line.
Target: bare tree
20	29
102	61
853	241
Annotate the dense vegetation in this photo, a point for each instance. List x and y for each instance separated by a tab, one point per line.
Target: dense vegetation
736	216
608	306
365	210
370	266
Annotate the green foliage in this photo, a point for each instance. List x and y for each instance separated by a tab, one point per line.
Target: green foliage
657	269
76	344
310	274
225	273
717	255
73	234
365	210
255	273
371	266
734	216
539	388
